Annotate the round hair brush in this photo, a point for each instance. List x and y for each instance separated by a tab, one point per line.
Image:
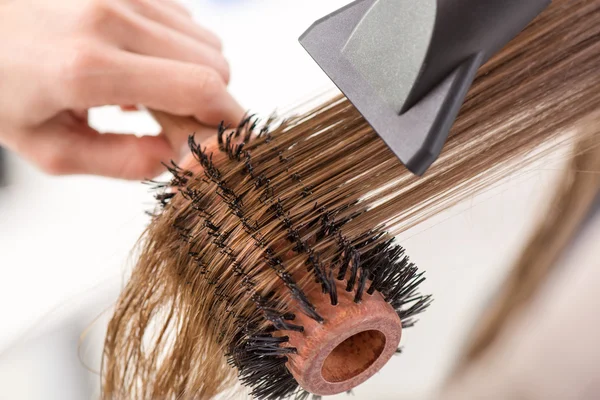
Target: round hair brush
271	260
269	251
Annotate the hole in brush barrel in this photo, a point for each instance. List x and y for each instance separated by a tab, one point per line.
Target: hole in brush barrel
353	356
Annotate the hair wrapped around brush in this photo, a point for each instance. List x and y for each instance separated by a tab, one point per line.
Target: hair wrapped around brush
249	234
264	222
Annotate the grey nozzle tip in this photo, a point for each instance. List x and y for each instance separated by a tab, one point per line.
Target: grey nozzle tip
419	165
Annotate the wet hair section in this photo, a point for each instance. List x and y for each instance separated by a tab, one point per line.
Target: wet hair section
250	237
264	235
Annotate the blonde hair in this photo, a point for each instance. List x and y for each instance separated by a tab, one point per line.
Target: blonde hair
319	197
575	195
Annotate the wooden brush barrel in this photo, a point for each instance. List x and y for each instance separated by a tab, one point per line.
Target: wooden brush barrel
353	343
355	340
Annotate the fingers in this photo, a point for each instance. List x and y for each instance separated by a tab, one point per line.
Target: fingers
95	78
176	6
67	146
87	152
173	15
150	38
112	155
80	115
154	28
121	156
62	150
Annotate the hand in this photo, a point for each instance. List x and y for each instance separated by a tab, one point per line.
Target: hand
60	58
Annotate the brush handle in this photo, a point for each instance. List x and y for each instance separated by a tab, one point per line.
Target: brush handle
175	126
175	123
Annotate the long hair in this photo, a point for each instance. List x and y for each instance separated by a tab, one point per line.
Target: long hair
239	223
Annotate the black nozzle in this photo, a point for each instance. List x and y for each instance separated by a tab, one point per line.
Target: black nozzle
407	65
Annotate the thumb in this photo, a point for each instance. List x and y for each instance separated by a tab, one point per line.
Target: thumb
83	150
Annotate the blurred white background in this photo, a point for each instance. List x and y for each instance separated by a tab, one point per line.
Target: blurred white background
65	242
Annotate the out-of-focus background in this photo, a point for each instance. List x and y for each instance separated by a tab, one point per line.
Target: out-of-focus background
65	242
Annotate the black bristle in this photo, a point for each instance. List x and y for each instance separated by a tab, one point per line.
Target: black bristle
301	246
318	271
248	133
306	191
421	303
164	198
289	316
229	146
355	257
333	292
304	303
155	185
301	394
361	286
220	133
239	151
248	167
253	125
244	124
180	176
281	323
346	259
406	287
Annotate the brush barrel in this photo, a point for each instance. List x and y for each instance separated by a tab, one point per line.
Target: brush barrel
353	343
355	340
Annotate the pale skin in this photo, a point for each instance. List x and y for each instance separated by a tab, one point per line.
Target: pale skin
60	58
